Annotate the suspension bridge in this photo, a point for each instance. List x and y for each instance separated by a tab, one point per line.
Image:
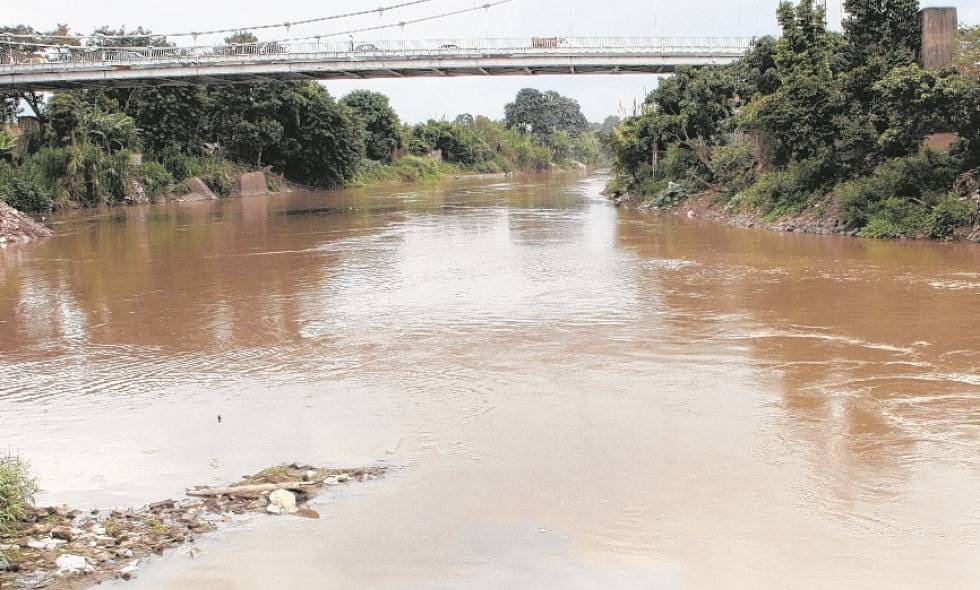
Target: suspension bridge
67	67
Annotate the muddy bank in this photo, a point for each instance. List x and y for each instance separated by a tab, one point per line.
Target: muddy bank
19	227
821	219
61	548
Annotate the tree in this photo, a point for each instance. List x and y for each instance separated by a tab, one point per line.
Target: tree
798	118
878	35
138	37
544	113
241	38
177	118
609	124
381	125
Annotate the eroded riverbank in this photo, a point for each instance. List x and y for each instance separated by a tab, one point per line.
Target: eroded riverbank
586	397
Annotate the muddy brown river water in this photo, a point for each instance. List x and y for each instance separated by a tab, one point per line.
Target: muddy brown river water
571	396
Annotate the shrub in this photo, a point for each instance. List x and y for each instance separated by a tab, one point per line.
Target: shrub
734	167
156	179
948	214
920	179
894	218
26	188
670	197
17	489
785	190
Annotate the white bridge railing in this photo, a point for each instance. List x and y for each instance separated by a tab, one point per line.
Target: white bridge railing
15	57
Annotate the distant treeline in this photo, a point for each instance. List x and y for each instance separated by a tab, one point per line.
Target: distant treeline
78	147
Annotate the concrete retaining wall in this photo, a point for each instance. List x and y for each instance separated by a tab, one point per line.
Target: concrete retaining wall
252	183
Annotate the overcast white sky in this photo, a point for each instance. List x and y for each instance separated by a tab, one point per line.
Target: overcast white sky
425	98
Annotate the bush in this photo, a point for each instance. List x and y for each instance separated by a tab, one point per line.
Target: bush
17	489
156	179
920	179
947	215
670	197
895	218
734	167
26	188
785	190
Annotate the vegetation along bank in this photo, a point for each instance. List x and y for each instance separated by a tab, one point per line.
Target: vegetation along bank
103	147
817	131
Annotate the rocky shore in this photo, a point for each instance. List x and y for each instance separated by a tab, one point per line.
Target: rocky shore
59	548
19	227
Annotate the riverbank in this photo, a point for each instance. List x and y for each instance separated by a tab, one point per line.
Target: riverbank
16	226
60	548
820	219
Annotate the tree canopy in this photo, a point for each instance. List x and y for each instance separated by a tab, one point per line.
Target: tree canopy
544	113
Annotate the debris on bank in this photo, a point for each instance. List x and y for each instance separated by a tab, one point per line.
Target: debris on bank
59	548
16	226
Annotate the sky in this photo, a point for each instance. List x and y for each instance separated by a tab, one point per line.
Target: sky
432	98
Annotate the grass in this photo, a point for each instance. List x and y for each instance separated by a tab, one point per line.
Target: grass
17	489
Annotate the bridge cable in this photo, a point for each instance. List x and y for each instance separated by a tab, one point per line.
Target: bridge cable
286	25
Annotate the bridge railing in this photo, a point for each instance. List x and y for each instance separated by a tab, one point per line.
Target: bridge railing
14	56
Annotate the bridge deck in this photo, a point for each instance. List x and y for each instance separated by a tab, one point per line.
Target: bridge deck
52	68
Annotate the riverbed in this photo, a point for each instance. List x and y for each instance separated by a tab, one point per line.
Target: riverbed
568	395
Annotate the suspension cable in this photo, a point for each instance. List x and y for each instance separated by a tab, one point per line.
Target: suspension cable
272	41
286	25
391	26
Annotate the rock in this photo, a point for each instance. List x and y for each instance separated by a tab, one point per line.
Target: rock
62	532
281	502
46	544
69	564
33	580
307	513
4	564
195	552
132	567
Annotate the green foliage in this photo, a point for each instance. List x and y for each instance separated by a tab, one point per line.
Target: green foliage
734	167
17	489
404	169
785	190
948	214
381	124
7	144
86	174
26	187
812	110
544	113
918	181
156	179
670	197
798	117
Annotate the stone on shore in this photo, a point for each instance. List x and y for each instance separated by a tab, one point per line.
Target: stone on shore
281	502
73	564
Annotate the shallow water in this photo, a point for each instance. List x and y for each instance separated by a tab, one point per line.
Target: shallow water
571	395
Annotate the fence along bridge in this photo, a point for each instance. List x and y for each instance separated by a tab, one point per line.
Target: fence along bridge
66	67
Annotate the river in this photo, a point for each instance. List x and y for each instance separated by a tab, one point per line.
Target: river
570	395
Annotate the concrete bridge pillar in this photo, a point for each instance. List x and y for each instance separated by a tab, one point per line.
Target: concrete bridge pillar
939	31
